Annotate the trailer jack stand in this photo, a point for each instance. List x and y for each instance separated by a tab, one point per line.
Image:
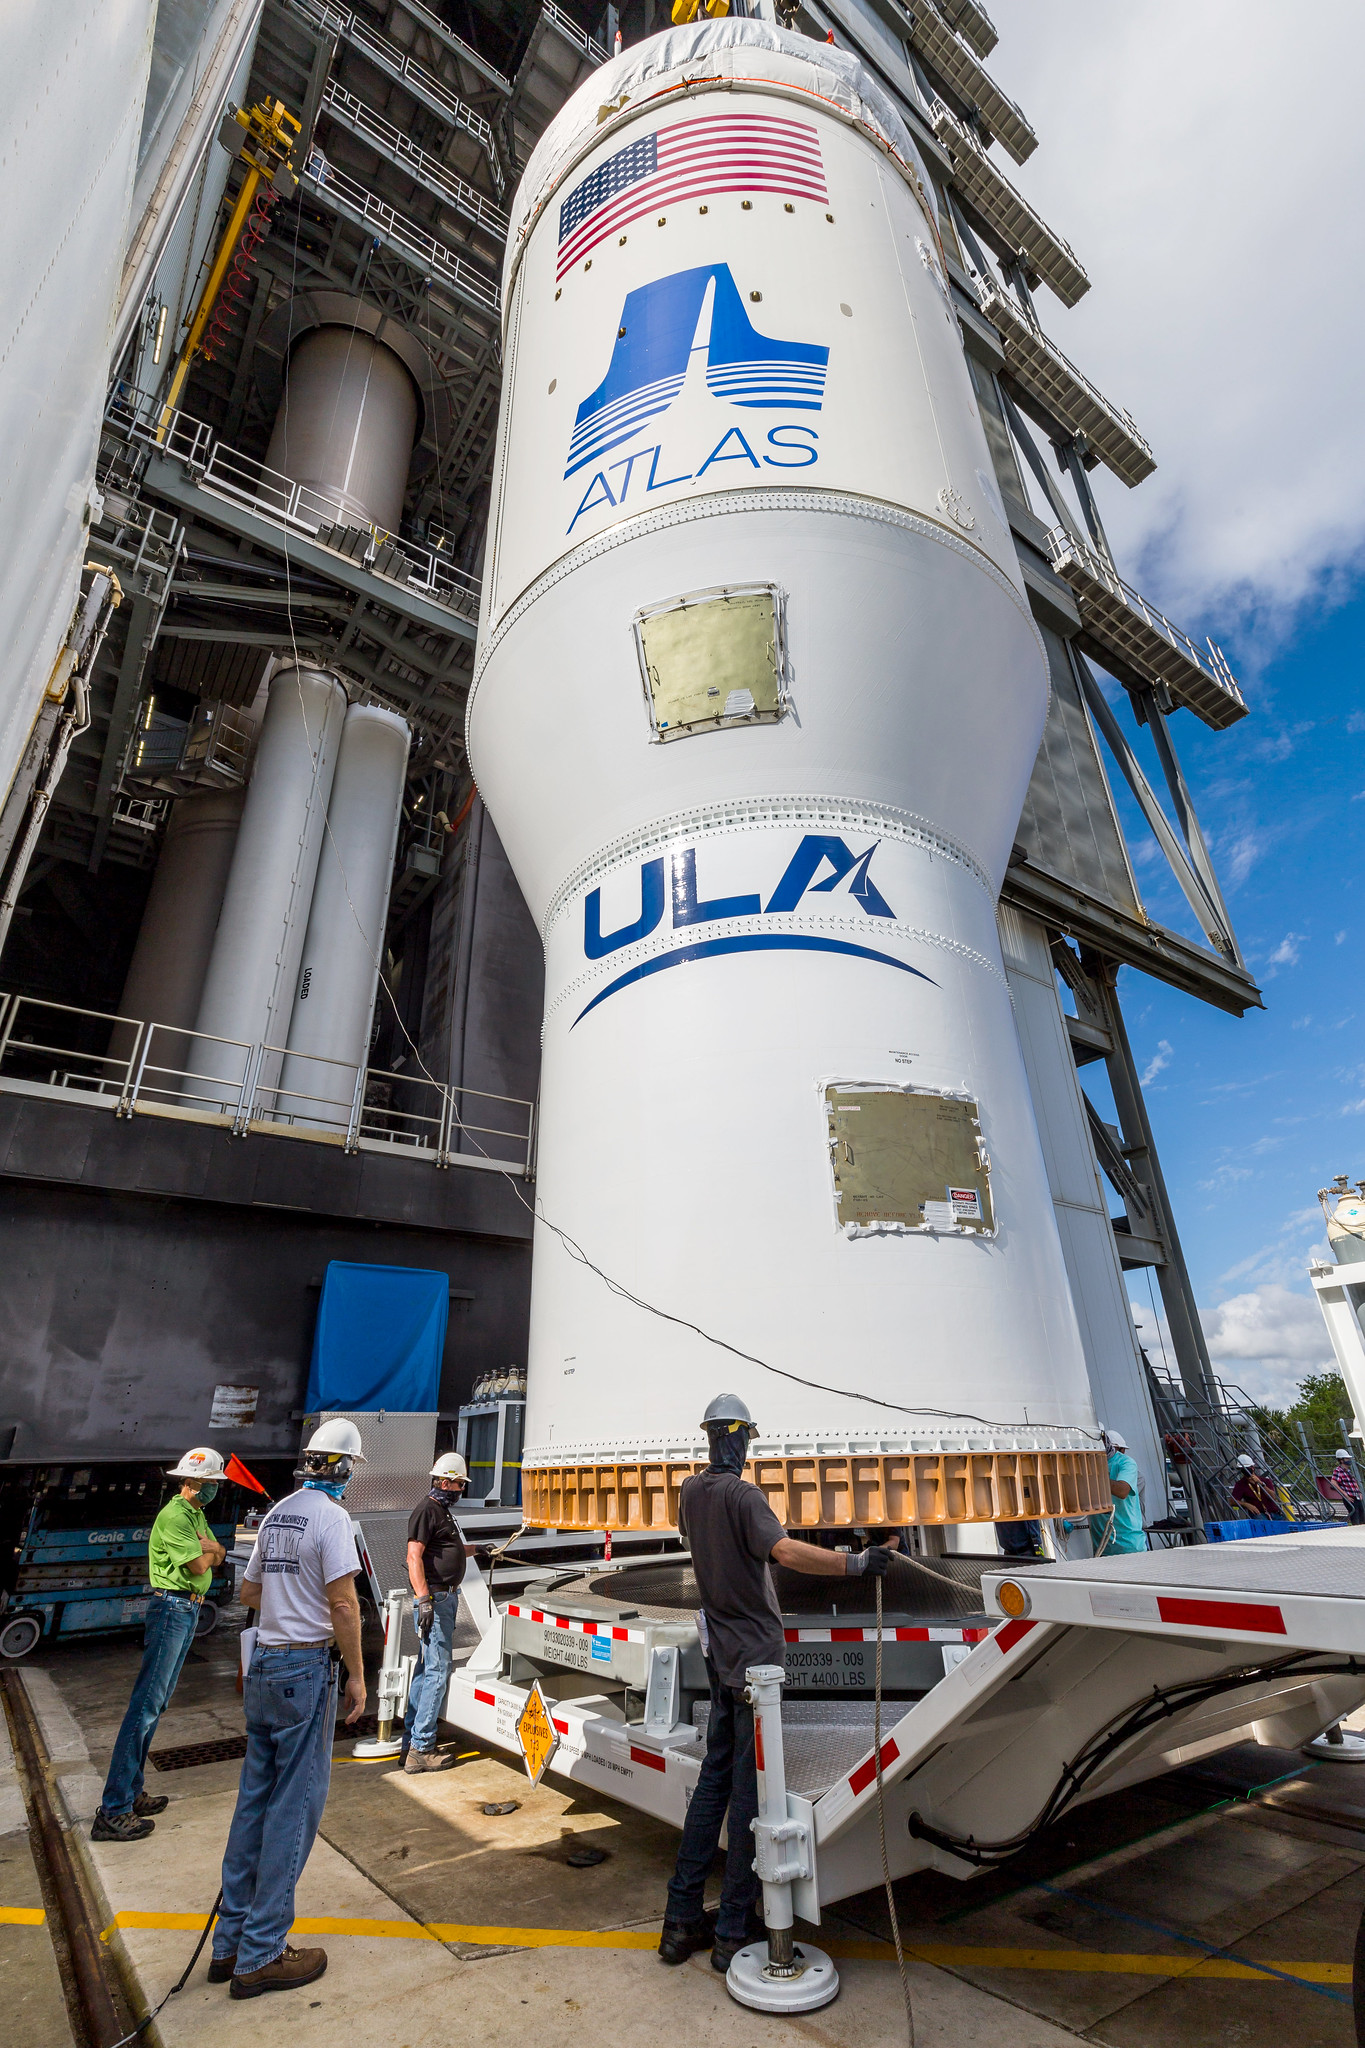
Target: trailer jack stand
1337	1745
779	1975
395	1677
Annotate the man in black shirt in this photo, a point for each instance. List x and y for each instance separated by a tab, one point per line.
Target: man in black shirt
733	1534
436	1560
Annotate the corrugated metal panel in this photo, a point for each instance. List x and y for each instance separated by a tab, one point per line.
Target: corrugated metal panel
1068	825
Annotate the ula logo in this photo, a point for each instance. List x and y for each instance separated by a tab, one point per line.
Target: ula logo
817	852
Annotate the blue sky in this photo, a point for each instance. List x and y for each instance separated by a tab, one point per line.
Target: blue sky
1253	1115
1224	311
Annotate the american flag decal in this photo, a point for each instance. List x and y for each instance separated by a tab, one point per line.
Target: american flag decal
690	160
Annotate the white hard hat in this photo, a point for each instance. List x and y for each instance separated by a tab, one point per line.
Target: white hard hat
1118	1440
1243	1459
1343	1454
451	1466
198	1464
339	1437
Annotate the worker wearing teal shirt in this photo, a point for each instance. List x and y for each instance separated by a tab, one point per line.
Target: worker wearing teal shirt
1122	1529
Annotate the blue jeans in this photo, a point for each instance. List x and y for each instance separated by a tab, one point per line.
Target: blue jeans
726	1783
290	1714
166	1641
431	1679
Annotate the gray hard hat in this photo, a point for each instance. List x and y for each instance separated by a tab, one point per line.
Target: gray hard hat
726	1408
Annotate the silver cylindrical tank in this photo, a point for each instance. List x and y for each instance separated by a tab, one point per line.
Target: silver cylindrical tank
339	970
346	423
174	941
253	968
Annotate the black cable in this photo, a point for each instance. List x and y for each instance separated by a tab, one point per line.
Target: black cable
147	2018
1162	1703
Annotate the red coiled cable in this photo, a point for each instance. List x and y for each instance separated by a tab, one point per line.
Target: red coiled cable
232	293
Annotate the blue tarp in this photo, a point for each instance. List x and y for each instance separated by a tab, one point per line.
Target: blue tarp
380	1334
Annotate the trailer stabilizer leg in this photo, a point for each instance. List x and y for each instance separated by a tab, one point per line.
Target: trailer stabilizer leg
395	1676
1337	1745
779	1975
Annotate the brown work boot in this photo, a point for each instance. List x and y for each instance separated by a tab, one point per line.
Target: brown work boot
427	1760
295	1967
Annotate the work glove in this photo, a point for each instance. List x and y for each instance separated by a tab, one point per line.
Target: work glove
426	1615
483	1557
875	1561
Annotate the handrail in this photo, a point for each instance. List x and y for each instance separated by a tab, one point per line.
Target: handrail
248	481
248	1104
438	178
1064	546
347	195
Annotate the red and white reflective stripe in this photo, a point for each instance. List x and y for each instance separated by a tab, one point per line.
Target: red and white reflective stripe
867	1771
648	1756
889	1635
1244	1615
567	1623
485	1699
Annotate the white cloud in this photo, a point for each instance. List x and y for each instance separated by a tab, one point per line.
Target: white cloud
1286	954
1340	939
1158	1063
1266	1341
1283	1261
1222	299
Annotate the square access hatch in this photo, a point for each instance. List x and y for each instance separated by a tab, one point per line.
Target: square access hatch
713	658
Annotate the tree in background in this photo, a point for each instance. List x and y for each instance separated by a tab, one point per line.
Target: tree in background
1323	1399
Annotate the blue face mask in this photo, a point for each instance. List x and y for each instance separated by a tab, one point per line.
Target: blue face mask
333	1488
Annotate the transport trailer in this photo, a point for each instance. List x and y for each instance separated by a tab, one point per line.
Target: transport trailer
73	1560
1069	1681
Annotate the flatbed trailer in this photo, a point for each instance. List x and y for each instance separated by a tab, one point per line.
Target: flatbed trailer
1079	1679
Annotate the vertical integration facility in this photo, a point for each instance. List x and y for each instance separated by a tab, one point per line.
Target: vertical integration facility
803	667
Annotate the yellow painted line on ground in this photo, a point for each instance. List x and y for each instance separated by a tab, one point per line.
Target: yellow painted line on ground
1081	1961
22	1916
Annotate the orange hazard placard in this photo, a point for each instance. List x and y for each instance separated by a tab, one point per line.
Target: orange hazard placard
536	1734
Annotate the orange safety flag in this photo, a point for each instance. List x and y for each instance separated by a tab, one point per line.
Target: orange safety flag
237	1472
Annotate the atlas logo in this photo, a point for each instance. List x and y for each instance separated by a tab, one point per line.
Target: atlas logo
663	327
820	855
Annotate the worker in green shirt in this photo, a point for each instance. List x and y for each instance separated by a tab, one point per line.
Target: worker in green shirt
182	1557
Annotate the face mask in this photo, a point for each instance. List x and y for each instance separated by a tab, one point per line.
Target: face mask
207	1492
333	1488
729	1449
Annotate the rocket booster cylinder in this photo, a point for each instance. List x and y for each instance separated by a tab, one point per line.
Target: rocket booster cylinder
329	1032
756	700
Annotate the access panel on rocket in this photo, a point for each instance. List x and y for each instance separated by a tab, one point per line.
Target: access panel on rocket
757	697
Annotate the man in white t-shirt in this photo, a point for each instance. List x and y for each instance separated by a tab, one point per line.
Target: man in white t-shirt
302	1580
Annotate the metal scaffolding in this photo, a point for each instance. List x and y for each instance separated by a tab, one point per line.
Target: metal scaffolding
1005	214
1068	398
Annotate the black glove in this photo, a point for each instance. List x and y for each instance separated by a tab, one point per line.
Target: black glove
876	1560
426	1615
483	1556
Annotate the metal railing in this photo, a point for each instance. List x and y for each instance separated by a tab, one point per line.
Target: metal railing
422	82
347	196
245	480
1204	1441
146	1067
434	176
1065	547
572	33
